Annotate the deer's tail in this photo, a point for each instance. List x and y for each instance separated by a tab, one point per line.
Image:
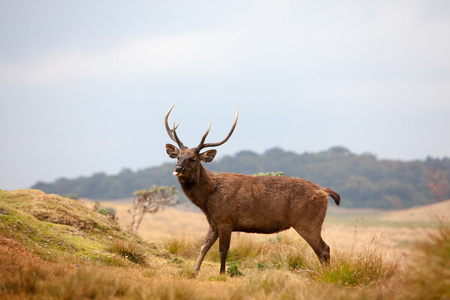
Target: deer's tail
333	195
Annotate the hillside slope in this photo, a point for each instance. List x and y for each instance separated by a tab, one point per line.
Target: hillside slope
52	247
426	213
58	229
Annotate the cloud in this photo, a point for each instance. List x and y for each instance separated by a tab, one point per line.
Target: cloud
155	56
394	95
296	39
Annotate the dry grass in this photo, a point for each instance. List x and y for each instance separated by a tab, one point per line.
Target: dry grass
108	263
428	274
33	278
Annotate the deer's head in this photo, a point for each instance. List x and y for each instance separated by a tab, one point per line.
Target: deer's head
188	159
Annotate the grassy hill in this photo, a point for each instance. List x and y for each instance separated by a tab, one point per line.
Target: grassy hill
57	248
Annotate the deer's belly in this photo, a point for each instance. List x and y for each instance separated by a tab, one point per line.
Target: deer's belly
263	226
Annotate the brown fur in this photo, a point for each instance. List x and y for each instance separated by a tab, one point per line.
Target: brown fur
259	204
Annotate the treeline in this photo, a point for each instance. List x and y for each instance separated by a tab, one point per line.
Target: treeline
361	180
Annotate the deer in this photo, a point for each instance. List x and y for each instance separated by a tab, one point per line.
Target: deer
246	203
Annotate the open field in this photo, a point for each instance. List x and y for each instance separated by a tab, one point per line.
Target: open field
56	248
393	232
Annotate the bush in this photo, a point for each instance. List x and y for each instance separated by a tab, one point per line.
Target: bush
233	269
106	211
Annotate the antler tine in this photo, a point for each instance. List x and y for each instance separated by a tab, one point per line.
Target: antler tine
202	145
171	132
177	140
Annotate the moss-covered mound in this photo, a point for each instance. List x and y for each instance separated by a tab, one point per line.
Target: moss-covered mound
58	229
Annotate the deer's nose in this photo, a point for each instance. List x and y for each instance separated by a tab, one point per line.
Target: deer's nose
178	170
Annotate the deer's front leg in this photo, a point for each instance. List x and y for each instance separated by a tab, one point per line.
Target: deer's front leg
224	245
210	239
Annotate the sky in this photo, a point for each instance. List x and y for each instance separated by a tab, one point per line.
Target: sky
85	85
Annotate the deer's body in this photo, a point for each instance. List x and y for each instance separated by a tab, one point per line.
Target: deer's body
255	204
258	204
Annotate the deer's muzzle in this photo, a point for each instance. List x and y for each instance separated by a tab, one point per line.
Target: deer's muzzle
178	170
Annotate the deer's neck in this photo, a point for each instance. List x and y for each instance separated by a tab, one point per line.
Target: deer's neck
198	188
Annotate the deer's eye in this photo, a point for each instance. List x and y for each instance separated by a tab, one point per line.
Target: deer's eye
192	159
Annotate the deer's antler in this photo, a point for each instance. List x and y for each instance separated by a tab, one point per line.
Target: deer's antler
202	142
171	132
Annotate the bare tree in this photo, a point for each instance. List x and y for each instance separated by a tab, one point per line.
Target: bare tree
150	201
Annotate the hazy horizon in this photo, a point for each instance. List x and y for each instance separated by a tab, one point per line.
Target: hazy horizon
220	157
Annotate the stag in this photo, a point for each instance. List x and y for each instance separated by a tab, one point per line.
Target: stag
255	204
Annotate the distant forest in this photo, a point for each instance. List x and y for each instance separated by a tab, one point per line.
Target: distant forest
361	180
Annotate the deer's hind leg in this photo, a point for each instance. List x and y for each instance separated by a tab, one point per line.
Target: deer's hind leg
210	239
314	239
310	227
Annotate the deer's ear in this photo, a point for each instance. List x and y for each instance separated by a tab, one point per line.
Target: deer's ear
172	151
208	156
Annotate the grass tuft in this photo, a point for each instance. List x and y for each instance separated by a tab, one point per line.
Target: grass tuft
181	246
187	272
130	250
354	269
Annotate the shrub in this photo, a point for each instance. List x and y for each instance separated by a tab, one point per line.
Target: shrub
106	211
233	269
